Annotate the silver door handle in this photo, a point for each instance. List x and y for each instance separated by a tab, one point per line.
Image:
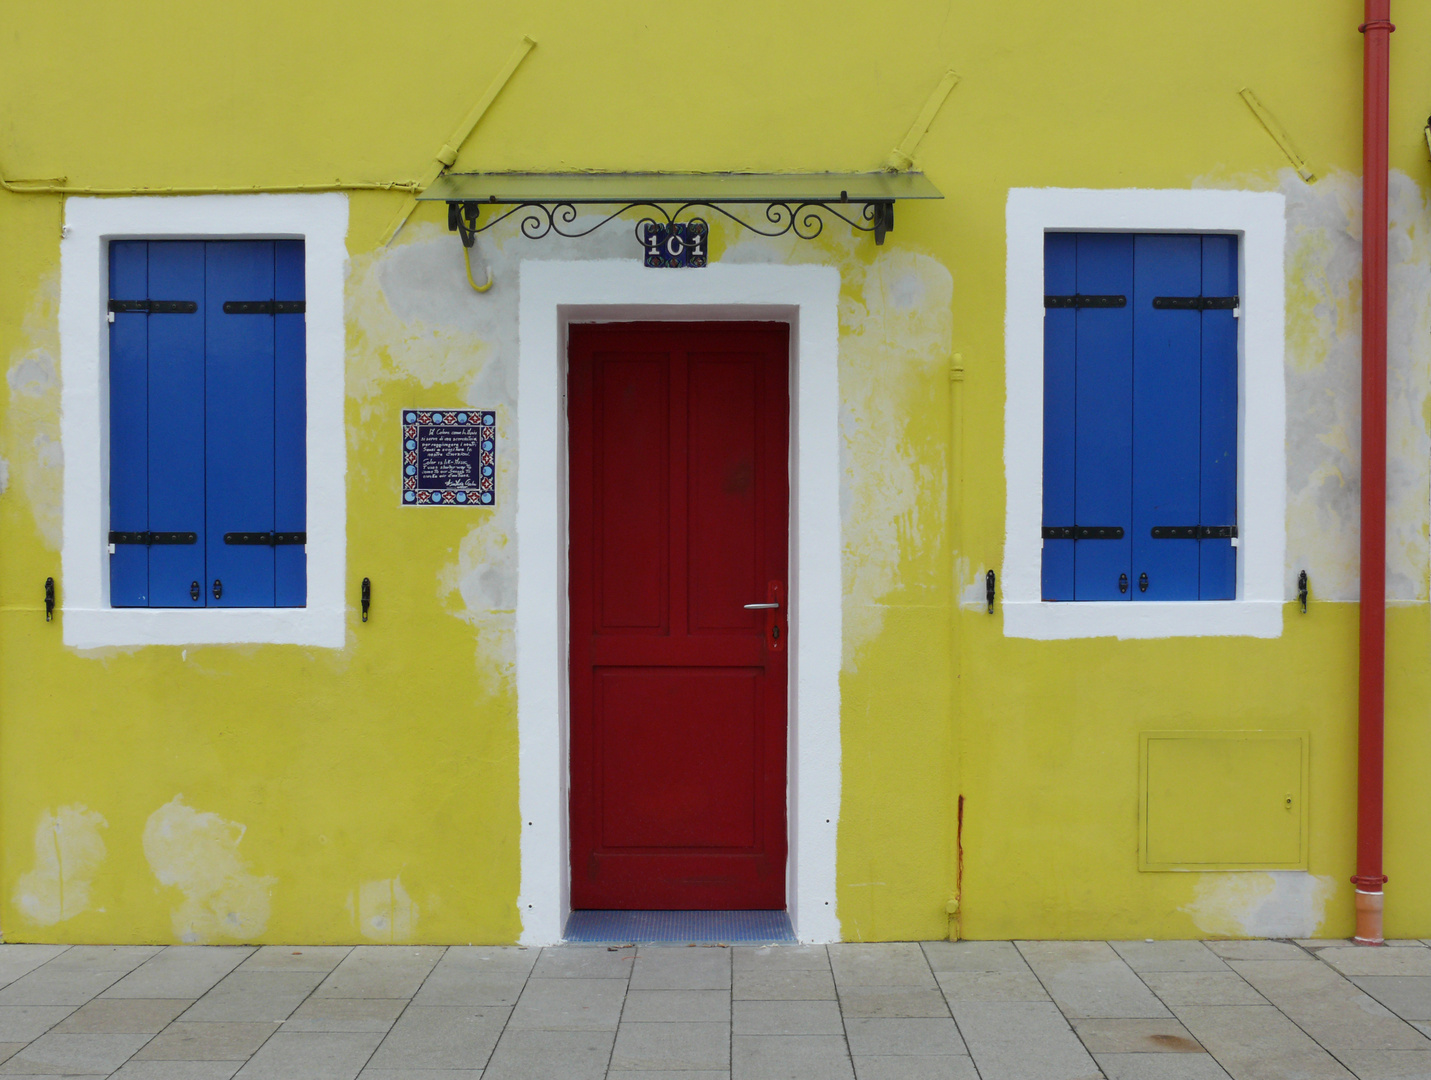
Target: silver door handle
759	607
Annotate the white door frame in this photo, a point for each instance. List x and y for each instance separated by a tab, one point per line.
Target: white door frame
552	296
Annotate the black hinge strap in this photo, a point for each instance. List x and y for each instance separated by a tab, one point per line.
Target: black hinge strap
1082	300
147	538
1194	532
265	539
156	307
1083	532
1195	303
264	307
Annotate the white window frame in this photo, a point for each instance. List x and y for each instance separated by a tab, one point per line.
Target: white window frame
1258	219
321	222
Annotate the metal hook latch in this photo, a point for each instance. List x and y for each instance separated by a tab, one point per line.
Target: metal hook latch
49	599
1302	590
367	594
218	588
1122	583
195	591
1143	582
989	590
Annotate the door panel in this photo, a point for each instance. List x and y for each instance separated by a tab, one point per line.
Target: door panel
679	442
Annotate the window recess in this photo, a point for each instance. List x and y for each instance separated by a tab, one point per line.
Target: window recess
1140	416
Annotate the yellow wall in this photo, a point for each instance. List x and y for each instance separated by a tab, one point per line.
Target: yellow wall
278	793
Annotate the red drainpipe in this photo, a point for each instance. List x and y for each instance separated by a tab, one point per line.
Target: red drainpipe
1369	879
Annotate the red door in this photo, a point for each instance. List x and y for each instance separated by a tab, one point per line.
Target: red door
679	521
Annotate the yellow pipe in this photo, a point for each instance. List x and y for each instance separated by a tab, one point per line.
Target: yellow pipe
448	154
467	255
902	156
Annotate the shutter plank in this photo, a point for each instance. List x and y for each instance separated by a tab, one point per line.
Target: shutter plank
129	423
239	409
1060	278
1218	494
1166	415
176	422
1104	410
290	428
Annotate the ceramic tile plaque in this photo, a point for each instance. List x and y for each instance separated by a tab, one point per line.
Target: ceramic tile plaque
449	457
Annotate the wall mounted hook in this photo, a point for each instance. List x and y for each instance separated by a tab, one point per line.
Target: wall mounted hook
1302	590
989	590
367	595
49	599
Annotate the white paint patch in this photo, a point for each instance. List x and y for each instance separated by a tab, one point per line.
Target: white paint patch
1277	903
32	438
384	911
1324	237
68	854
198	854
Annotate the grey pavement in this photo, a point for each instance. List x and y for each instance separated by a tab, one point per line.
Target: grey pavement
986	1010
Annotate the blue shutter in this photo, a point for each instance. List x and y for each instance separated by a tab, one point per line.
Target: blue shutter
176	423
1218	574
1167	390
290	428
129	423
1060	278
1103	469
239	411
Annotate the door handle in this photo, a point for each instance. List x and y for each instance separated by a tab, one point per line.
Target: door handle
760	607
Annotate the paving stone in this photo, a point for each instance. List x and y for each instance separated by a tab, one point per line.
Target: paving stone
783	986
178	1070
663	1074
122	1016
891	1001
10	1049
1409	996
468	975
991	986
311	1056
1328	1007
786	1018
670	1005
544	1055
683	1045
679	968
381	971
18	960
973	956
1258	949
894	963
1160	1067
1089	979
180	971
915	1068
441	1038
22	1023
913	1037
346	1014
1357	960
1176	988
66	1054
1389	1064
55	986
780	958
1256	1042
121	958
1145	956
570	1005
581	963
256	995
1135	1036
371	1073
182	1041
296	958
1022	1040
789	1057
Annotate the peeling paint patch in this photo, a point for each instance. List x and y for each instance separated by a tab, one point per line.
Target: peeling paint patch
197	853
31	441
1277	903
68	853
384	911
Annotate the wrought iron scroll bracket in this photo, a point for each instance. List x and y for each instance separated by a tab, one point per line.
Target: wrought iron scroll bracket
806	219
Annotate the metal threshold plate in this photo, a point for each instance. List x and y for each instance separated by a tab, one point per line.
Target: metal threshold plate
679	928
510	188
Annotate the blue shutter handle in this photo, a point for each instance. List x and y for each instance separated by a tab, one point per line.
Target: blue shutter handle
1143	582
194	591
218	588
1122	583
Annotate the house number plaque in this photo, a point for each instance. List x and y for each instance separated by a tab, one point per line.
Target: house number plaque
676	244
449	457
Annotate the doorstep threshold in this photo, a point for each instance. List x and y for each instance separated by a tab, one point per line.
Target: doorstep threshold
679	928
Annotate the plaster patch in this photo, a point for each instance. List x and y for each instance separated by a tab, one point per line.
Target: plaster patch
1276	903
68	853
197	853
31	439
1323	378
384	911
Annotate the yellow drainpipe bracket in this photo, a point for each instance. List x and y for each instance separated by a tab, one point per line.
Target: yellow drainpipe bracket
1278	133
902	156
445	156
956	368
